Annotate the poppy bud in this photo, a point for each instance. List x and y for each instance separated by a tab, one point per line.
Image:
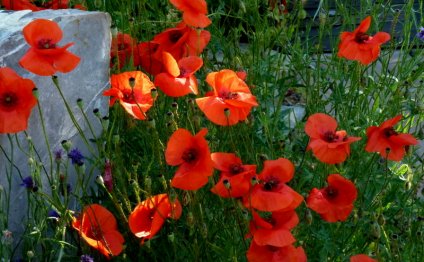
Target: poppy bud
105	122
131	82
148	183
151	123
375	230
30	254
226	183
227	112
308	217
163	182
31	161
171	237
100	181
80	103
35	92
154	93
254	180
190	219
115	139
96	112
174	105
66	144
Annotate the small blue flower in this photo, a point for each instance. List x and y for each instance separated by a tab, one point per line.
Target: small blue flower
86	258
420	34
76	157
29	184
53	214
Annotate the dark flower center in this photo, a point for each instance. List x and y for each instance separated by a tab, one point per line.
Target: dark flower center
236	169
175	36
122	46
8	100
46	44
332	137
190	155
183	73
228	95
361	38
273	248
271	184
331	192
389	131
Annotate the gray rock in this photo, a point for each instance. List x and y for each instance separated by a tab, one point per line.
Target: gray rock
90	32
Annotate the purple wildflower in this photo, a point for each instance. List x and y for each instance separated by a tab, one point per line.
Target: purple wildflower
53	214
420	34
86	258
58	155
76	157
107	176
29	184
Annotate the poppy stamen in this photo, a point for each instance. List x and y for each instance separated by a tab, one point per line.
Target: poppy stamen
331	192
46	44
175	36
8	100
389	131
362	37
236	169
271	184
190	155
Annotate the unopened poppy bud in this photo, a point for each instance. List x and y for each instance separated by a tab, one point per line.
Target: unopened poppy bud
115	139
151	123
31	161
100	181
263	157
96	112
308	217
148	183
131	82
35	92
154	93
80	103
66	144
226	183
375	230
174	105
30	254
163	182
105	122
169	113
29	138
171	237
254	180
381	220
190	219
227	112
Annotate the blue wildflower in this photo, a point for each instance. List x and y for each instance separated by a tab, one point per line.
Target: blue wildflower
420	34
76	157
86	258
29	184
53	214
58	155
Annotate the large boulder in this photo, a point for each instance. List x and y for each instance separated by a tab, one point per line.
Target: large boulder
90	32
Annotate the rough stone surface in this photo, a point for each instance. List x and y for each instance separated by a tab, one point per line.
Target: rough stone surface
90	32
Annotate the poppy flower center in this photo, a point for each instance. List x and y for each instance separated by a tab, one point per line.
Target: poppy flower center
389	131
8	100
273	248
331	192
122	46
271	183
46	44
95	233
190	155
175	36
228	95
236	169
332	137
361	38
183	73
128	97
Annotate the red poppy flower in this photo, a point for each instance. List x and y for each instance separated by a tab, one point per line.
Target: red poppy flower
97	226
179	79
361	258
230	101
182	41
148	217
271	193
56	4
150	57
19	5
359	46
235	180
257	253
192	155
123	50
389	143
274	231
44	57
327	144
194	12
334	202
16	101
133	89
